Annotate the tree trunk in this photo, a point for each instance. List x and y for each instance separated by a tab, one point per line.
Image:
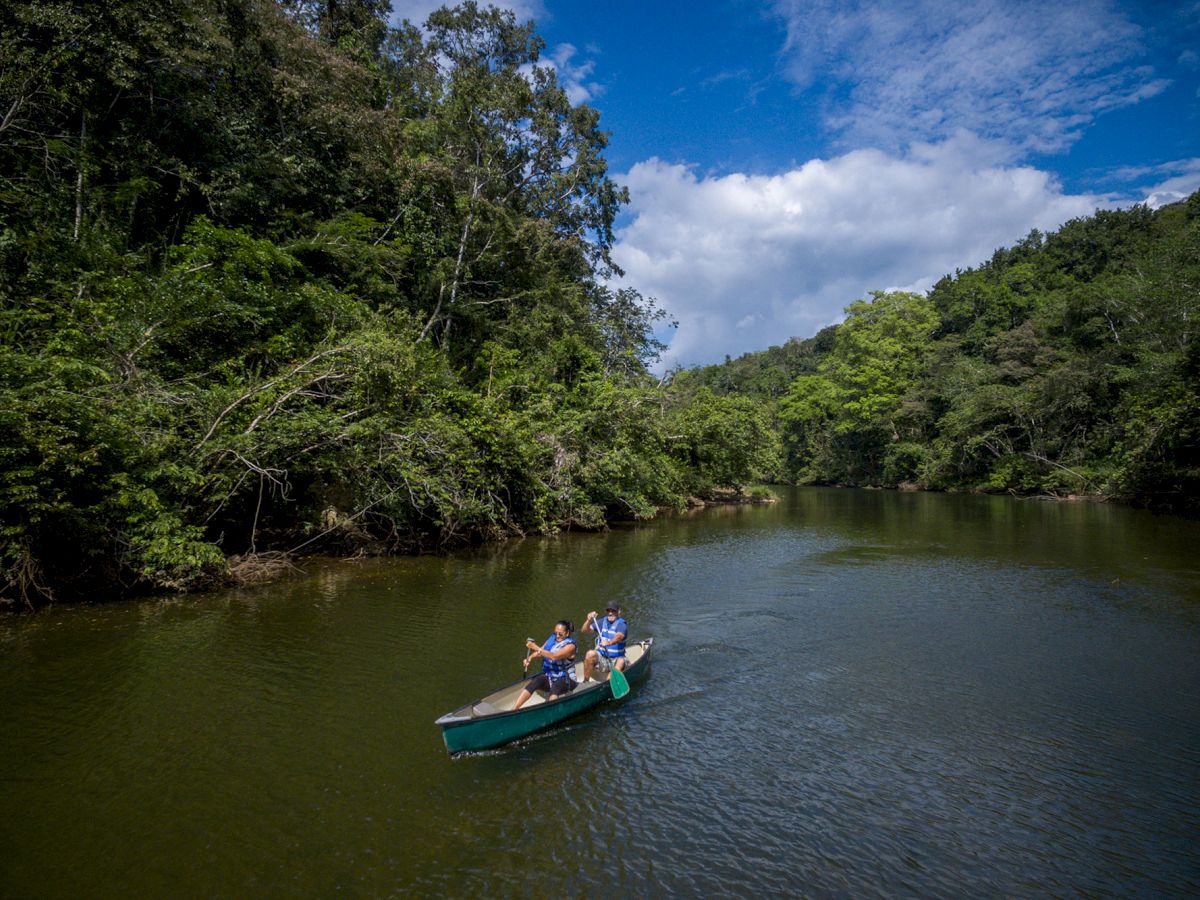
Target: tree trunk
79	177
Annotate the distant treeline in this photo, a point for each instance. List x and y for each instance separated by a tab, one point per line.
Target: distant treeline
1068	364
277	278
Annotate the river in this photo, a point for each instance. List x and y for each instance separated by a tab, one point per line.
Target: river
854	693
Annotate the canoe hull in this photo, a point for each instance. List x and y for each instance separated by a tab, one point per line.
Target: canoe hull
490	722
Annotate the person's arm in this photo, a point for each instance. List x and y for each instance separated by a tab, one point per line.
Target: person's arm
589	624
618	636
561	653
534	649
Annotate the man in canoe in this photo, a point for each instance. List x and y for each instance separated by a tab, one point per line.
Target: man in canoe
610	644
558	664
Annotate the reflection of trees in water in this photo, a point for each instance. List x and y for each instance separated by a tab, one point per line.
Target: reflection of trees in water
1105	541
527	579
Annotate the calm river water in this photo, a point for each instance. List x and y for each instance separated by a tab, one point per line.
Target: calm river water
854	693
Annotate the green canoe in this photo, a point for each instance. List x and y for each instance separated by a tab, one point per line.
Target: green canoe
491	721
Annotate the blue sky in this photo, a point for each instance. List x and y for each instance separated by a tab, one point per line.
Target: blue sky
786	157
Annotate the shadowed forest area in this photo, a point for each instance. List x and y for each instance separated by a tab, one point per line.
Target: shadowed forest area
276	278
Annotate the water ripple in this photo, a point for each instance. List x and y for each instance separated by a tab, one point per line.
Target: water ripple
855	696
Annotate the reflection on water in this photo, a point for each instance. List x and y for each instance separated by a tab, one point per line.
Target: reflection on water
854	692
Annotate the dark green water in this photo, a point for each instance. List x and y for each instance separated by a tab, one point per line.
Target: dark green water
854	693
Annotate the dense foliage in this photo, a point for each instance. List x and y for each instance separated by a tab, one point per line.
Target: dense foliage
1068	364
275	277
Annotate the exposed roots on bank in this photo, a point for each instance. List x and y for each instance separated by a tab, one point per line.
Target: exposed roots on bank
257	568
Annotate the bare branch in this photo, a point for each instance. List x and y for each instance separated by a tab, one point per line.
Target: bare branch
265	387
302	389
1040	458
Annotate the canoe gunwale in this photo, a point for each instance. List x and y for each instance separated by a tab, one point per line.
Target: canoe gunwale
472	715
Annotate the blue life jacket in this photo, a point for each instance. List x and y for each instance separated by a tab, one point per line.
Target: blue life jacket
559	668
608	632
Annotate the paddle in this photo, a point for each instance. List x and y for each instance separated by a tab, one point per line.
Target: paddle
528	655
616	678
620	684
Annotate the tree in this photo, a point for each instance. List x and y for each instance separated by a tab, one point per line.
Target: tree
723	441
524	168
861	401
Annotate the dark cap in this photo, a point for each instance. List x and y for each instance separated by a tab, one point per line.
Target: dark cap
613	607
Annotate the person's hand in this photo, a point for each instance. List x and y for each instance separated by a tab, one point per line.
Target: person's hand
591	616
531	645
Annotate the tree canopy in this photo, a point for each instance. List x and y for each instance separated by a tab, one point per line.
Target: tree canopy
276	277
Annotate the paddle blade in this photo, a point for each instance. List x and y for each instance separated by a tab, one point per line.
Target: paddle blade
620	684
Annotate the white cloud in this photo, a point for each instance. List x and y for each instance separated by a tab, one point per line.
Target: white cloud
573	76
1161	183
1180	179
1029	73
747	261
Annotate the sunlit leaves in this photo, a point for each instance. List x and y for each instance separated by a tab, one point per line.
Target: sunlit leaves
1066	364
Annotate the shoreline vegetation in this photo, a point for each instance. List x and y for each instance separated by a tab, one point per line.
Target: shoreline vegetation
272	565
277	279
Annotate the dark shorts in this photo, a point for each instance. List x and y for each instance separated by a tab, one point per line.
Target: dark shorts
553	686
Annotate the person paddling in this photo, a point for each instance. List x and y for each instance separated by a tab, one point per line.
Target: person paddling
610	647
558	664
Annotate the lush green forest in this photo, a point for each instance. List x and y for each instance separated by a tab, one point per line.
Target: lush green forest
1068	364
275	278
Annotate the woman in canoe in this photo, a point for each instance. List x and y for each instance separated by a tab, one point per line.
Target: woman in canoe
558	664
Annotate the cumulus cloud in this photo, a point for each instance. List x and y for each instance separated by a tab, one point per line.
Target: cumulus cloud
573	76
747	261
1176	180
1028	73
